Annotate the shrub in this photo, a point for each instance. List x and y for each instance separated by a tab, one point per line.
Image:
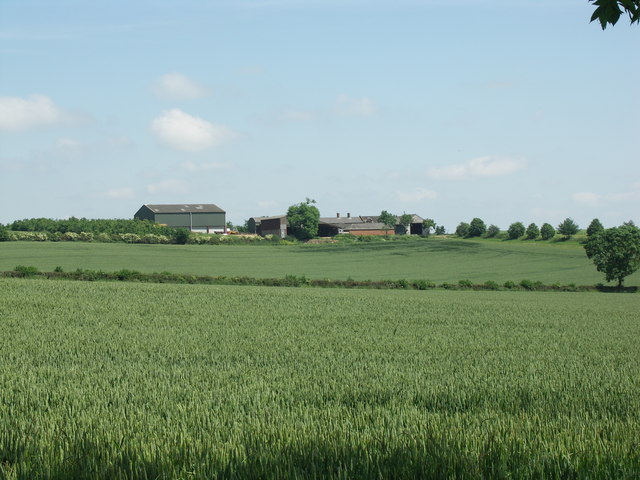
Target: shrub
4	233
58	269
491	285
86	237
465	283
70	237
516	230
181	236
25	271
547	232
509	285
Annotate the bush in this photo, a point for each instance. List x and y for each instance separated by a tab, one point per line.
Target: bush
24	271
509	285
181	236
465	283
547	232
491	285
516	230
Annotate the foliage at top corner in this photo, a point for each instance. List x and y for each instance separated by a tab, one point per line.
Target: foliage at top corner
303	219
609	11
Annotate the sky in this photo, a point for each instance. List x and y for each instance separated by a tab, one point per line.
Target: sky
516	110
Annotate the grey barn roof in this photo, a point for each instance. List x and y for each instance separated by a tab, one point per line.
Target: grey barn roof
190	208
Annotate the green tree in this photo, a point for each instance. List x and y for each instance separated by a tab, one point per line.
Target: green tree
615	251
594	227
405	220
427	225
492	231
303	219
532	231
609	11
477	228
516	230
388	220
4	233
440	230
547	231
568	228
462	230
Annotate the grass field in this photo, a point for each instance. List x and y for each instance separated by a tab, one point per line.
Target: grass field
438	260
113	380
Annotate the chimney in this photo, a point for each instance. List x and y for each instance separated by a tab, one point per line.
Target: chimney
348	215
338	215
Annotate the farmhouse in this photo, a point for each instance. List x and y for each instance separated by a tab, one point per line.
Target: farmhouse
202	217
364	225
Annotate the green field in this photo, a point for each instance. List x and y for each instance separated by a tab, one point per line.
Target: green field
125	380
438	260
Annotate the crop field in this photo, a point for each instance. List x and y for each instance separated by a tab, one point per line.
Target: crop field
438	260
125	380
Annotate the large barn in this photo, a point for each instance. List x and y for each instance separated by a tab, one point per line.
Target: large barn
198	217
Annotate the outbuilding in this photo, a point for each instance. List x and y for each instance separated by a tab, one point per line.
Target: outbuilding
197	217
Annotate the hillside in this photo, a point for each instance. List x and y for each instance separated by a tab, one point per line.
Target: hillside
435	259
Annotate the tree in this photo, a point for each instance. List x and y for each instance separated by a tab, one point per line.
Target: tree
609	11
427	225
594	227
516	230
462	230
492	231
532	231
615	251
547	232
477	228
568	228
4	233
440	230
303	219
388	220
405	220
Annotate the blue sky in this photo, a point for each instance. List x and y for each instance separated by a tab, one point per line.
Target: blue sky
503	110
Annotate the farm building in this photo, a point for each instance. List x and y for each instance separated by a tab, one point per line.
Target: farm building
364	225
276	225
203	217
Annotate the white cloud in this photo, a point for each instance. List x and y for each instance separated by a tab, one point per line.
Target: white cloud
417	195
175	86
590	199
17	114
361	107
168	186
479	167
205	166
181	131
586	198
123	193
